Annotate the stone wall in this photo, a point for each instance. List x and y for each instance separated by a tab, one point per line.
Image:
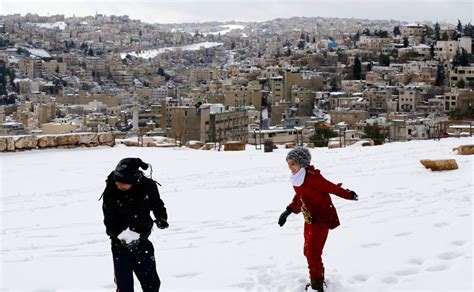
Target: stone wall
27	142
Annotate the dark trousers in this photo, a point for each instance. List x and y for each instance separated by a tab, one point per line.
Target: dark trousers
139	260
315	236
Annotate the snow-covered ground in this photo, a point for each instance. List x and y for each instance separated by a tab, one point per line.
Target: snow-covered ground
153	53
226	29
410	231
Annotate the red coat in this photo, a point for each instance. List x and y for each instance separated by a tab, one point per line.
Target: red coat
312	198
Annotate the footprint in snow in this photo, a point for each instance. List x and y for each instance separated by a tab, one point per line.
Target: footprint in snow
390	280
406	272
441	224
458	242
436	268
360	278
449	255
402	234
416	261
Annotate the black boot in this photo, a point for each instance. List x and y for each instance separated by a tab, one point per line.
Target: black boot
317	284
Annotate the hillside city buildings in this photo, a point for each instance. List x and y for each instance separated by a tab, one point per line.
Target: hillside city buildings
216	82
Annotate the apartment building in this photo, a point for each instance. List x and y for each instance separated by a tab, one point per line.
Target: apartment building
465	73
448	49
209	123
96	64
31	67
409	98
413	30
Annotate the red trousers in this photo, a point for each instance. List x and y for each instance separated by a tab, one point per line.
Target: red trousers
315	236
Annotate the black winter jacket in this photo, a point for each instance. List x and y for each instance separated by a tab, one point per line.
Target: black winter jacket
131	208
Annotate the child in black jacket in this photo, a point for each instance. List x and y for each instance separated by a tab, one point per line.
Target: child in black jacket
129	197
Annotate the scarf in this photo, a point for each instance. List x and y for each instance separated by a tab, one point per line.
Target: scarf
298	178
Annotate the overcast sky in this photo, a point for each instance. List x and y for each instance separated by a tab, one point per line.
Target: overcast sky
175	11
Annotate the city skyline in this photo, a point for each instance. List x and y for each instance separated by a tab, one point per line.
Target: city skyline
181	11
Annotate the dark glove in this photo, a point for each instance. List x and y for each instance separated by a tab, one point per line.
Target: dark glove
283	216
131	244
162	223
354	197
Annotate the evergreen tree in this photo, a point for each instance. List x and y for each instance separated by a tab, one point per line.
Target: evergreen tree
384	60
3	79
357	69
321	136
456	35
406	43
437	33
445	36
375	133
396	31
357	36
301	44
333	83
461	83
369	66
11	74
468	31
461	59
440	76
459	27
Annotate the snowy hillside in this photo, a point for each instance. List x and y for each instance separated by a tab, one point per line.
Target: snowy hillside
410	231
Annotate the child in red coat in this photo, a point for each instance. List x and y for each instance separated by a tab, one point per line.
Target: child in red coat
313	200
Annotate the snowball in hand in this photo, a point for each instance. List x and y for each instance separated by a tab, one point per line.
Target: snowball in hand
128	235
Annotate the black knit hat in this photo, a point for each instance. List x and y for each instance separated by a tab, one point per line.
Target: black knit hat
300	155
127	170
